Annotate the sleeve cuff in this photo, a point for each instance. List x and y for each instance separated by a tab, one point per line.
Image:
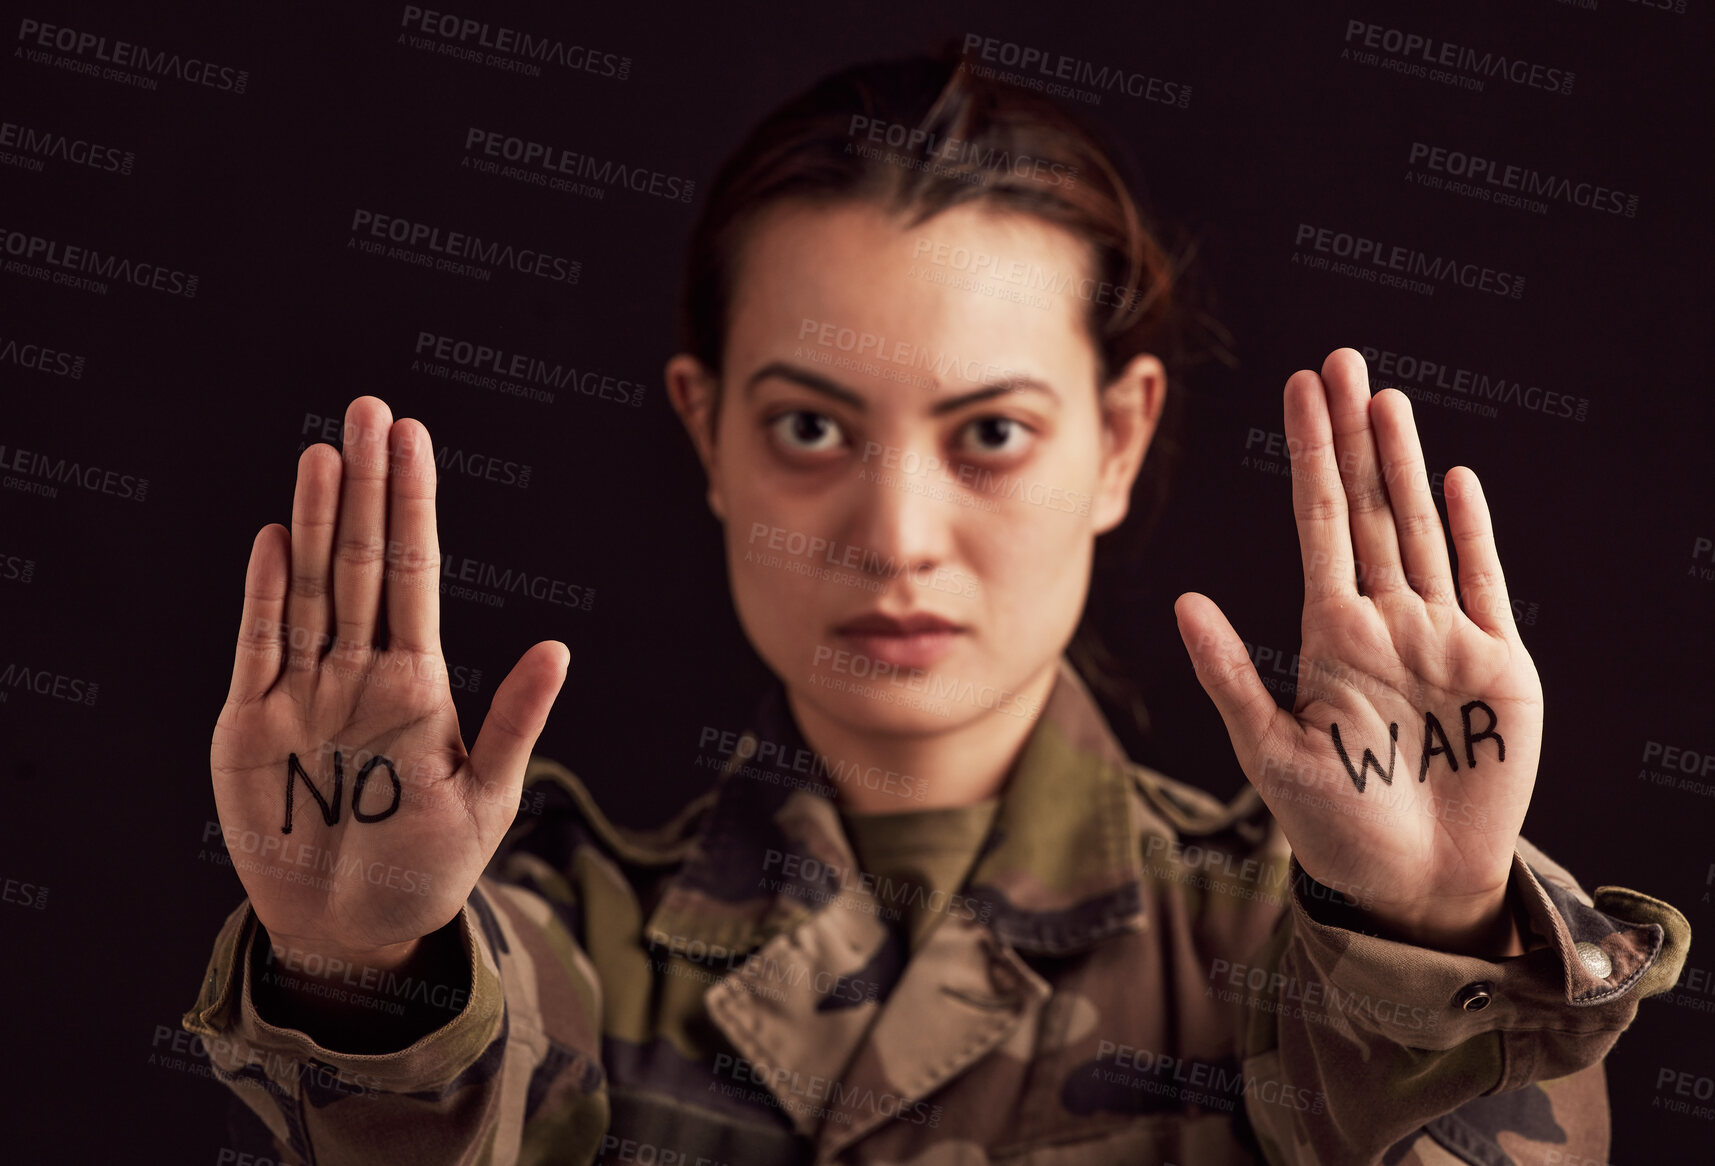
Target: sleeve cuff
244	1045
1595	964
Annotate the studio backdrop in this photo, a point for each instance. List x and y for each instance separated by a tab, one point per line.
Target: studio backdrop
220	223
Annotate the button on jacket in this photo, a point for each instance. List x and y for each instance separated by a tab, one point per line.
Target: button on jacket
1133	972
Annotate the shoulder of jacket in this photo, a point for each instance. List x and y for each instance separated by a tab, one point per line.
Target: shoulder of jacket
1188	810
556	802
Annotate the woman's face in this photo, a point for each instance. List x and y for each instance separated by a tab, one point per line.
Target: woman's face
912	464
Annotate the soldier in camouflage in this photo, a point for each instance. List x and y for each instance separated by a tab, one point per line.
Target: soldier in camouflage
860	946
655	997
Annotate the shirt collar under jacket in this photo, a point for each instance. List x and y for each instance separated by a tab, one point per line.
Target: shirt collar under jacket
1061	868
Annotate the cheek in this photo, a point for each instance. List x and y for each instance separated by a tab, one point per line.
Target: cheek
1033	562
772	549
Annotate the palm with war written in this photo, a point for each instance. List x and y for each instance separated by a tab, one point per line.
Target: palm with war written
1406	679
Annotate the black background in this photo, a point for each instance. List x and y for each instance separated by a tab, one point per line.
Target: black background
106	805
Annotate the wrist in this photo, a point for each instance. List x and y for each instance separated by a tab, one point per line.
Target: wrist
320	960
1485	926
362	1000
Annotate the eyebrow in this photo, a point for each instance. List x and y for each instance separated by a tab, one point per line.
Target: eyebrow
821	384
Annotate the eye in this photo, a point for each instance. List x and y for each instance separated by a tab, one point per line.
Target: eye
997	434
804	431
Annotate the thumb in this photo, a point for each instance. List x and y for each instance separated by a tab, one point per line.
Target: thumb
1225	671
517	715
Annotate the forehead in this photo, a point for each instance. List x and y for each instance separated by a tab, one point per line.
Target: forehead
970	287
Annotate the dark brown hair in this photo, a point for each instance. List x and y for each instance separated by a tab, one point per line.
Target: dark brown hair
918	137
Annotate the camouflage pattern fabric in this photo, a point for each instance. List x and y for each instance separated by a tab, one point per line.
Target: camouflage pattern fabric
1133	972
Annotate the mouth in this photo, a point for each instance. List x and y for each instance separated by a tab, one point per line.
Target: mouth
910	641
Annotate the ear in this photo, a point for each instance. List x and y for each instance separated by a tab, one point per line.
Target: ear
691	387
1131	406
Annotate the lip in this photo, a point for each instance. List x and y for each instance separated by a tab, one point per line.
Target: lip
879	623
916	641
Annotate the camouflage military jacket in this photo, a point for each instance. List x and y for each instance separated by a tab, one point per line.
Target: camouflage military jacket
1133	972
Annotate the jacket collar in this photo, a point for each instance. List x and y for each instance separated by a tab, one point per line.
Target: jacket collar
1061	869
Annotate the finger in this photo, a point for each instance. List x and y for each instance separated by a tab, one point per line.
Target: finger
360	542
1377	569
1481	583
1422	542
315	509
1318	497
413	548
514	722
1225	671
261	627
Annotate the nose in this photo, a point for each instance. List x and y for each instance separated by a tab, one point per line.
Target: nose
902	514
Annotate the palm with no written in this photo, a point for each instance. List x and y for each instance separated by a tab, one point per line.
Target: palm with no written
1390	649
315	677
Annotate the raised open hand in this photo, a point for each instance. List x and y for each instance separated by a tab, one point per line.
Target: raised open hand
338	748
1403	772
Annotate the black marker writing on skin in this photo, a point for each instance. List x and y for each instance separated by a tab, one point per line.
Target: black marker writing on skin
330	809
330	813
357	790
1359	775
1431	730
1435	743
1470	740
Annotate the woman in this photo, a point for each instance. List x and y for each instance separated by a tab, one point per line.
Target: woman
930	912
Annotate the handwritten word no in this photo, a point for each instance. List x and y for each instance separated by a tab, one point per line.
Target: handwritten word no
330	810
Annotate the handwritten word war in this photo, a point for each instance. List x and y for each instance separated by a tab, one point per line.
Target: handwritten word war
1432	733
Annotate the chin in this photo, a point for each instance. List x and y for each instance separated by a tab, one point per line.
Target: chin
869	695
886	709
